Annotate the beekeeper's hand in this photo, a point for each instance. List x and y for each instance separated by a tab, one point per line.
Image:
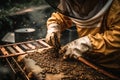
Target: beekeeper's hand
53	35
75	48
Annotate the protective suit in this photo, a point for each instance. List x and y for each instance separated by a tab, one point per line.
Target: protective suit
98	27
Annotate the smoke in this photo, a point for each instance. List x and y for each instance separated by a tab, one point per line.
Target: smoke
38	17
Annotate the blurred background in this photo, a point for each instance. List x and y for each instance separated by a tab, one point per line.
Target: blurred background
23	15
18	18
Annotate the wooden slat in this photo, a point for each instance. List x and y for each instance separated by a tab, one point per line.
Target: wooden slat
11	49
31	46
41	40
4	51
25	47
36	44
18	49
43	44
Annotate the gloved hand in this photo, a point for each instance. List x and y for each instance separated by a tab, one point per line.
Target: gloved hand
75	48
53	35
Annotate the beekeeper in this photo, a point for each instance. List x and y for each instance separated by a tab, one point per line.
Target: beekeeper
98	27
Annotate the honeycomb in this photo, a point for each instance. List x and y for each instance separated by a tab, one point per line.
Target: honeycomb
54	67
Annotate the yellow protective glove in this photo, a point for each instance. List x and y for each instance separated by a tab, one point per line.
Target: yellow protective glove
75	48
53	34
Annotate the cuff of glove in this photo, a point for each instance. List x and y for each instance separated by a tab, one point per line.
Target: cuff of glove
53	28
86	41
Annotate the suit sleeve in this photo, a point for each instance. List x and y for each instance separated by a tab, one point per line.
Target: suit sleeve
108	41
63	21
